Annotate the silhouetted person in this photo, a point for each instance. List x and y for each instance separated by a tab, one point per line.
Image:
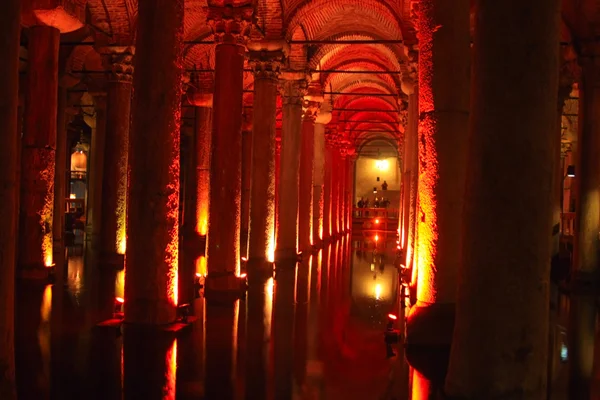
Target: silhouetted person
384	185
376	203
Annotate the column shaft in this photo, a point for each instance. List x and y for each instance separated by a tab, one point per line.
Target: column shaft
223	243
444	112
318	181
583	304
504	276
335	192
39	144
246	184
113	238
203	146
289	171
305	190
153	218
261	240
410	179
9	134
327	225
60	180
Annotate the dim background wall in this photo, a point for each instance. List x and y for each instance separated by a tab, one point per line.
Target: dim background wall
366	178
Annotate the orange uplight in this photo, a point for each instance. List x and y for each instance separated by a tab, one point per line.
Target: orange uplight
377	221
201	268
169	389
244	259
198	275
244	275
120	300
392	316
121	209
171	251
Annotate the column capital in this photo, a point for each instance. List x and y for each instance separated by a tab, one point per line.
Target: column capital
324	116
230	24
119	62
265	64
310	109
292	91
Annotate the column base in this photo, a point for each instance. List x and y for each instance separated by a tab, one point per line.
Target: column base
224	286
259	268
36	272
114	261
429	330
286	255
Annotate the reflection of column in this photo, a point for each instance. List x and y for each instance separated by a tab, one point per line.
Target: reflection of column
153	219
504	274
292	96
223	242
305	182
301	320
9	93
261	241
283	329
318	206
444	111
114	177
582	310
38	158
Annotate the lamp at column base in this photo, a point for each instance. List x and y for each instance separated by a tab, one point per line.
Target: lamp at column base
114	261
225	286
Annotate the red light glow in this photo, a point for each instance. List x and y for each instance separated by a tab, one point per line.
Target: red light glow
392	316
377	221
120	300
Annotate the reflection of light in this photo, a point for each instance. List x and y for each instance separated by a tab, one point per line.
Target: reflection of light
122	244
378	291
376	237
564	352
72	196
244	259
421	389
377	221
382	165
171	381
46	308
372	267
271	246
268	310
234	336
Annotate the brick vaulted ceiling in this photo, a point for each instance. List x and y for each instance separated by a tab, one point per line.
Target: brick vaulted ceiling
114	22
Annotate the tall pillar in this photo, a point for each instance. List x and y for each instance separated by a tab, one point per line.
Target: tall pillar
113	237
223	242
60	181
343	170
261	240
444	55
9	100
203	146
292	93
277	180
335	190
411	174
583	303
504	278
318	206
38	157
351	157
305	189
327	225
153	217
246	184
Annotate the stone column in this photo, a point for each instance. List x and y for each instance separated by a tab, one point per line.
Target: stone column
38	157
343	199
261	240
327	225
504	276
583	302
203	156
411	175
335	190
292	93
153	218
246	184
60	181
9	134
223	242
351	157
318	205
113	237
305	189
444	55
277	180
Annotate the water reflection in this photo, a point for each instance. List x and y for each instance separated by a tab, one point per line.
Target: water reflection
313	330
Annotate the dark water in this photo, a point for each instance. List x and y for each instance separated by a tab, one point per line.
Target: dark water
313	332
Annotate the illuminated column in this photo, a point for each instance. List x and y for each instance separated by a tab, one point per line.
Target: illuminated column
9	134
444	112
277	179
318	205
203	113
223	242
261	240
116	148
583	301
504	278
351	157
327	225
38	157
153	215
246	183
343	199
293	89
305	189
335	190
411	175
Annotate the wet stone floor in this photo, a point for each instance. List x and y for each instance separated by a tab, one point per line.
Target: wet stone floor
313	332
